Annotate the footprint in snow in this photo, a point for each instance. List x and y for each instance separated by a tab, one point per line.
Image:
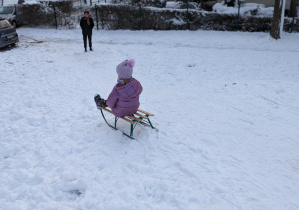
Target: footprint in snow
36	122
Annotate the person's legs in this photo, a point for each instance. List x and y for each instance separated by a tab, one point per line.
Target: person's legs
90	43
85	41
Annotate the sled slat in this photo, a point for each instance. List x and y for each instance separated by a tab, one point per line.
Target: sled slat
129	121
135	118
108	110
140	115
150	114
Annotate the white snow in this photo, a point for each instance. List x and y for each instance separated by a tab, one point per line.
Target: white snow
226	105
176	21
245	9
9	2
171	4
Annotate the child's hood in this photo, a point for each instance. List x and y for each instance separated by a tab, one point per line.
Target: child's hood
130	90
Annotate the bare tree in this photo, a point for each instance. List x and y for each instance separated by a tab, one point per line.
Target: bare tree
275	29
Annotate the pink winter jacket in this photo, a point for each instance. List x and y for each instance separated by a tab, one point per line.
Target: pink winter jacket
124	100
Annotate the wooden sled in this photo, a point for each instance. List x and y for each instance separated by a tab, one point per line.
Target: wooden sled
140	117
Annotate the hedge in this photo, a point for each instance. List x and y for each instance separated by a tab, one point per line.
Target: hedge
114	17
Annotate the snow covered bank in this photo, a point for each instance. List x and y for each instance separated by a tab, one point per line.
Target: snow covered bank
247	9
226	104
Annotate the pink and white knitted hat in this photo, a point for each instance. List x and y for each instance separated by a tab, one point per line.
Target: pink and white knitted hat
125	69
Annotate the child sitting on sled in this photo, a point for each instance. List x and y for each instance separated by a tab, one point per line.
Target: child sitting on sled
124	98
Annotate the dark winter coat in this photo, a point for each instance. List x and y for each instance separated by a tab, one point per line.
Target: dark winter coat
86	28
124	100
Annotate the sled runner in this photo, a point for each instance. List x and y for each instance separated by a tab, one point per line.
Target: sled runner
140	117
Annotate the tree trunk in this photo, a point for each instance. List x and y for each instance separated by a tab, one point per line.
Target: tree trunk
275	29
293	8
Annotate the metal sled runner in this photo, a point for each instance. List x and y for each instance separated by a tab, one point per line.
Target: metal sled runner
140	117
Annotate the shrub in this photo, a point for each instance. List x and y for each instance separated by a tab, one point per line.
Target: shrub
150	3
113	17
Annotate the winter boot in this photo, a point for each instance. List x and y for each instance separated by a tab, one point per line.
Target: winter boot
97	98
99	101
85	50
90	49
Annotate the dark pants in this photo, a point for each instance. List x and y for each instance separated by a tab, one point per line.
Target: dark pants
85	40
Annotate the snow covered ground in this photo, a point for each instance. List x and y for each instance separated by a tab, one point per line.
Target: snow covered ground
226	105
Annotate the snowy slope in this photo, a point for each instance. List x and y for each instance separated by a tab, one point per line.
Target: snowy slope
226	105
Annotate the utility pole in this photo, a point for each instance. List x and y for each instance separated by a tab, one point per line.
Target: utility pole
282	16
278	19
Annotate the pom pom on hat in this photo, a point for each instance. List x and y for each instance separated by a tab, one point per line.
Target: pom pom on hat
125	69
131	63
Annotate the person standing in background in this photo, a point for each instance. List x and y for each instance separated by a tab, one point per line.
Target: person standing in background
87	25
